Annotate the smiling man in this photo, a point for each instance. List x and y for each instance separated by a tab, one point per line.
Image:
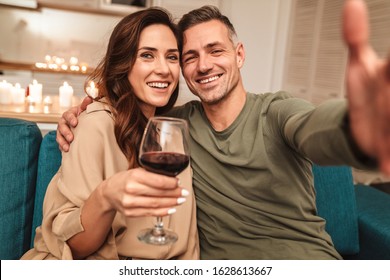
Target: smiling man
252	154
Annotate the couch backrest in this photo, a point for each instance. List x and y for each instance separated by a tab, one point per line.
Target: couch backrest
336	203
48	163
374	223
19	146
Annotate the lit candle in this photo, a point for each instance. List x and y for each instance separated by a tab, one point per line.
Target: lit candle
5	92
73	60
92	90
35	90
18	94
41	65
66	95
47	101
47	58
74	68
84	67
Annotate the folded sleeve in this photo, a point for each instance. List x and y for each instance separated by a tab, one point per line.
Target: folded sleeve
82	170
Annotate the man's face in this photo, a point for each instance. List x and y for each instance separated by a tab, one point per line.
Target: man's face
210	62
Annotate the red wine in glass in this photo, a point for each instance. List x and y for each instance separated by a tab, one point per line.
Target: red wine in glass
166	163
164	150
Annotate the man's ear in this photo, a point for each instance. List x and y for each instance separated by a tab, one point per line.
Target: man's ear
240	53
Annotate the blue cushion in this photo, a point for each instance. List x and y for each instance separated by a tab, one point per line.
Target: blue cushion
19	147
48	163
374	223
336	203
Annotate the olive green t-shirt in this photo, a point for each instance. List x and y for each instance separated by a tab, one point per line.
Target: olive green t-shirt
253	181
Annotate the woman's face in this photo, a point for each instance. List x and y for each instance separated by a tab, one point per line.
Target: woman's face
155	73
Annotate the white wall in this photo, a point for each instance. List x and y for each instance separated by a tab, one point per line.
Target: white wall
27	36
262	26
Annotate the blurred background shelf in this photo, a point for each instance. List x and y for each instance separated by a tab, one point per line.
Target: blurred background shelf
19	66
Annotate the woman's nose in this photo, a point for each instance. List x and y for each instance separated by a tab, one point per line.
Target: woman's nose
162	66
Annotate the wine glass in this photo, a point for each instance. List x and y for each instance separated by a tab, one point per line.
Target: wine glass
164	150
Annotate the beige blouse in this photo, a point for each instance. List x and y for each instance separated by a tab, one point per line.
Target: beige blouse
93	157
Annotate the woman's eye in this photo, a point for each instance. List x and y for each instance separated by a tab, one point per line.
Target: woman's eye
146	55
173	57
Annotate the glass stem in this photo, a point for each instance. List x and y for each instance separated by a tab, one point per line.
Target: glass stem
158	227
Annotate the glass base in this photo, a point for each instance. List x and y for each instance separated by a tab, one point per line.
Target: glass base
157	236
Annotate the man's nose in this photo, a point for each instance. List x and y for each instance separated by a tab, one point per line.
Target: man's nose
204	64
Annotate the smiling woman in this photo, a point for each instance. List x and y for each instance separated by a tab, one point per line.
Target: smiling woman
100	199
155	73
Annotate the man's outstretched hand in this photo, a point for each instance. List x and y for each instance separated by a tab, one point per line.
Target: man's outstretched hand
68	120
368	87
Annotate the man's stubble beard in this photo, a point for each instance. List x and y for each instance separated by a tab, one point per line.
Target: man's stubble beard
222	94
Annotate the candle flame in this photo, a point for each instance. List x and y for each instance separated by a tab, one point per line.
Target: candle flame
47	99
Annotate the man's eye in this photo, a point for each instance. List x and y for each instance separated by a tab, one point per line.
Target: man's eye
188	59
216	51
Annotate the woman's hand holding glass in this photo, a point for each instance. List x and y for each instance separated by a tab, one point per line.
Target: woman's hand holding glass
137	192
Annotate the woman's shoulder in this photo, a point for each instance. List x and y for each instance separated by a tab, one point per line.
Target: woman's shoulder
97	115
96	122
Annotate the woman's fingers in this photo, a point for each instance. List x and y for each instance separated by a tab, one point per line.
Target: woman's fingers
137	192
154	212
151	202
143	183
150	206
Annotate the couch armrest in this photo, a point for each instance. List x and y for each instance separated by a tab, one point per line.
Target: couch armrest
19	147
374	222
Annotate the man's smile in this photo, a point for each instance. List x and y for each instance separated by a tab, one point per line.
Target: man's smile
210	79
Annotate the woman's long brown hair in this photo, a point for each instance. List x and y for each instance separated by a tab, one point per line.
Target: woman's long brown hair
111	76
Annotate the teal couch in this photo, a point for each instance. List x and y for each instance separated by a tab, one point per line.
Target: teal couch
27	164
357	217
